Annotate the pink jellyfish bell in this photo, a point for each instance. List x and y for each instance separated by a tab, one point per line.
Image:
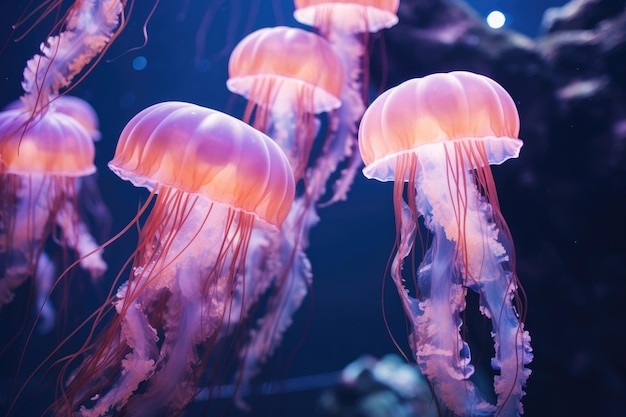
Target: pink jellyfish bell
348	16
77	108
440	134
288	75
81	111
51	143
212	179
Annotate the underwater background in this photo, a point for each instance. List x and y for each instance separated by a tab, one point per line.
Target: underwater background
564	199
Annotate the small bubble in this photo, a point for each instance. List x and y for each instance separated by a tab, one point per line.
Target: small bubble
140	63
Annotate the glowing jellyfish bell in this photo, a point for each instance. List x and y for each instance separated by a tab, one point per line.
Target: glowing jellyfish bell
203	152
458	114
80	110
288	75
54	145
440	134
350	16
213	179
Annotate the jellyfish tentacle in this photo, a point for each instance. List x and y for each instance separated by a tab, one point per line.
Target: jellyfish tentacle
45	277
344	137
440	351
137	365
171	384
78	237
482	257
89	27
435	316
512	343
292	280
197	287
33	197
14	277
341	145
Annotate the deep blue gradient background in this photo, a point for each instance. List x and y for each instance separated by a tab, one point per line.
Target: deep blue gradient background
343	317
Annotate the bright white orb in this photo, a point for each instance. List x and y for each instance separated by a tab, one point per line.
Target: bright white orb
496	19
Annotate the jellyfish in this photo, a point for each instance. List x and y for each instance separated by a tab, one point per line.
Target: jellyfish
346	24
89	27
440	134
288	76
43	159
212	179
43	167
347	16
